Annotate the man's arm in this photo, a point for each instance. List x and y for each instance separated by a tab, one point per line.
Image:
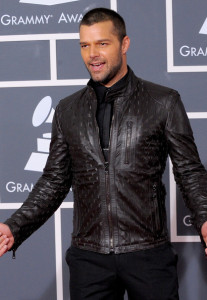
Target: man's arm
190	174
47	194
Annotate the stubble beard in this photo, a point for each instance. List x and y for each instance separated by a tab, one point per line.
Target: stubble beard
109	75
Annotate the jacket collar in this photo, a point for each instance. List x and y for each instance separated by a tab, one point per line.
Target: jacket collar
119	90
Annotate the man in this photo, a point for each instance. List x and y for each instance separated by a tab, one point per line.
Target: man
110	141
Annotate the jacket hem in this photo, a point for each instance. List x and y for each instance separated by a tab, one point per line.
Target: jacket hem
120	249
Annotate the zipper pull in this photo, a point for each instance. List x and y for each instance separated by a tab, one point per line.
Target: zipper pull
106	166
14	254
107	92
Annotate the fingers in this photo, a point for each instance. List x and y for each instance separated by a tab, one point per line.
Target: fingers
204	234
4	241
205	241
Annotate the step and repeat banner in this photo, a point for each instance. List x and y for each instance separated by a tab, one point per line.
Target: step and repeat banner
40	63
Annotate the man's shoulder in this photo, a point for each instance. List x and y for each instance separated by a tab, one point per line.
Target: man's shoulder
72	99
158	92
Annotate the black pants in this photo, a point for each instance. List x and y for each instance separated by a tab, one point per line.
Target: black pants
145	275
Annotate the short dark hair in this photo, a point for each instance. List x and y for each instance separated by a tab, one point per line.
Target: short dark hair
101	14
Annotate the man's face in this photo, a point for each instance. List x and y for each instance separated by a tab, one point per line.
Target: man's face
102	53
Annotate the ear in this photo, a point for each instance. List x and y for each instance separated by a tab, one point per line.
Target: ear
125	44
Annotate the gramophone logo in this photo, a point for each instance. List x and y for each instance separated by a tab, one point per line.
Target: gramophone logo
203	29
43	113
47	2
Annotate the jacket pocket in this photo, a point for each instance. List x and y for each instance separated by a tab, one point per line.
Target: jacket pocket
157	209
77	213
128	142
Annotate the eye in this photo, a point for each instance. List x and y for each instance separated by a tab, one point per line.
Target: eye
103	44
84	46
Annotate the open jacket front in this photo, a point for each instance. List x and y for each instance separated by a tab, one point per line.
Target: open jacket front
119	206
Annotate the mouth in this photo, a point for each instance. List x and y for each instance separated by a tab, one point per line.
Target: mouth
98	66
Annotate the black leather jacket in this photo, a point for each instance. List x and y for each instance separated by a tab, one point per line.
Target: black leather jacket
118	206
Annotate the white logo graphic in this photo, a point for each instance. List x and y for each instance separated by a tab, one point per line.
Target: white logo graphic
43	114
203	29
12	187
187	221
47	2
195	50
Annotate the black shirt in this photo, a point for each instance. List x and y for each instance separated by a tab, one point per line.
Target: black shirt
104	111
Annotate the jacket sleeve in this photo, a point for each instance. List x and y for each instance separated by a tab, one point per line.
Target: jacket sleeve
49	191
190	174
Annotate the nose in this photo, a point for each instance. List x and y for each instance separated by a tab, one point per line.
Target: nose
94	52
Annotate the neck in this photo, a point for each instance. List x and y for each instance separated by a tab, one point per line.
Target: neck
120	74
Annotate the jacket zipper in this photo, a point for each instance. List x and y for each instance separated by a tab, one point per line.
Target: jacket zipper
106	167
108	203
128	141
107	182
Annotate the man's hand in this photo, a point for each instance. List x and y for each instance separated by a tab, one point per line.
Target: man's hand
204	234
6	239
